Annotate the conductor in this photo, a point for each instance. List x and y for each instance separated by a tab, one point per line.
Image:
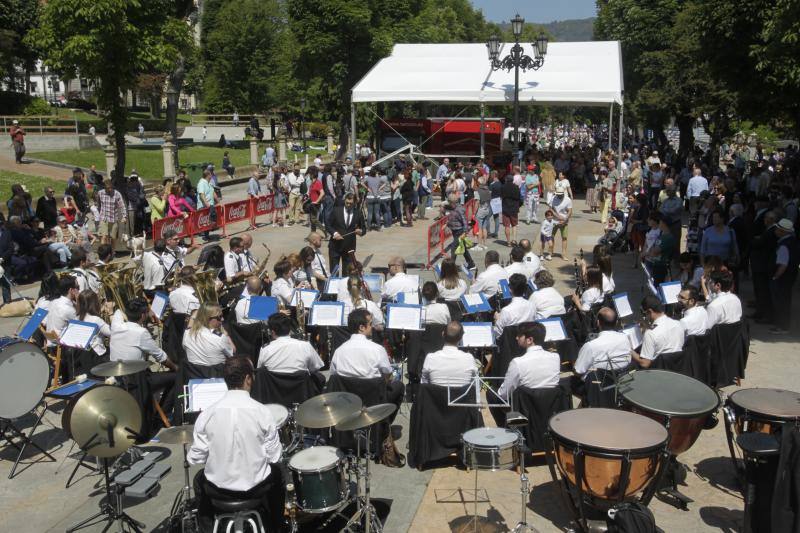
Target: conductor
344	223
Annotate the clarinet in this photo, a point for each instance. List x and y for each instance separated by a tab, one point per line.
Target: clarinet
579	285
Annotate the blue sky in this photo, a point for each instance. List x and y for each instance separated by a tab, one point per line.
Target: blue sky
536	10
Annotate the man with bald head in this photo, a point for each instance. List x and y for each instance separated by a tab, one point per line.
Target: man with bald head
319	266
249	262
610	350
398	281
449	366
252	288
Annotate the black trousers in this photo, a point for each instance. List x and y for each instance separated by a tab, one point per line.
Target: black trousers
270	492
335	256
781	291
394	394
164	381
762	294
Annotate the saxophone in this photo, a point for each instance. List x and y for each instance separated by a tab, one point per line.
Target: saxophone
262	267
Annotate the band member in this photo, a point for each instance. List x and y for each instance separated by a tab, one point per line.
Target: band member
174	254
88	310
252	288
398	280
307	259
359	357
284	354
105	254
450	366
183	300
433	312
488	281
87	279
451	285
519	265
723	307
237	440
593	294
249	262
610	350
519	309
319	265
131	341
536	368
206	343
546	299
234	262
283	286
344	224
356	300
530	257
695	317
62	309
153	268
664	336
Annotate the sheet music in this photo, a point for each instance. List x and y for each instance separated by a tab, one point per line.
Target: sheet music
78	334
159	305
205	392
308	296
554	329
634	334
32	324
374	282
408	317
411	298
327	314
332	286
261	307
477	335
473	299
670	291
622	304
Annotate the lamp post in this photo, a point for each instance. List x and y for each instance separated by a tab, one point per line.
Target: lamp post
303	122
172	119
517	59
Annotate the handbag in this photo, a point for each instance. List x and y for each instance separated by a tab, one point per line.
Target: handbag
390	455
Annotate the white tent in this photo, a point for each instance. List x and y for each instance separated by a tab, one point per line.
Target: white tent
574	73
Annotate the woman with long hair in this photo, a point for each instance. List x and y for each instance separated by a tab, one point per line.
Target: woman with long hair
48	291
88	310
358	301
178	206
593	294
206	343
451	286
690	272
603	262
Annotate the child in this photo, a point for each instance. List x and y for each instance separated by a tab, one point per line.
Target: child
546	233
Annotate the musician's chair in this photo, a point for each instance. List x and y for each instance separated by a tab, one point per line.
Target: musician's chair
236	514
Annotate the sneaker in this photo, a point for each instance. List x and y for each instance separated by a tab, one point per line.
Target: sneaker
549	257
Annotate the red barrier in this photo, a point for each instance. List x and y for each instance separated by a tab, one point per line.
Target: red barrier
180	225
202	222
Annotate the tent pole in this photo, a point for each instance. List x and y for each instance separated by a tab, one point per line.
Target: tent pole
353	130
483	137
610	126
619	156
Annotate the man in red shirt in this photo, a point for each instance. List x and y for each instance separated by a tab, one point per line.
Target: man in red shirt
18	140
315	193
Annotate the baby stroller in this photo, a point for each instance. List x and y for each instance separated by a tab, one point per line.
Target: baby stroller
617	240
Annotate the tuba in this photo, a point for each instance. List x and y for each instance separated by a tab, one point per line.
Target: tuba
123	286
204	285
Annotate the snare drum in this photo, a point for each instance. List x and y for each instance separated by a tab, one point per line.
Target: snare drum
24	375
681	403
490	449
607	455
319	479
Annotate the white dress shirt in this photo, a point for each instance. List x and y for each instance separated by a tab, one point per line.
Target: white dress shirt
206	348
521	267
449	366
237	439
286	355
359	357
249	263
608	284
87	280
103	332
609	350
62	310
319	265
724	308
233	264
533	260
666	336
695	320
400	282
283	289
241	311
517	311
132	342
591	296
488	281
536	369
548	302
436	313
696	185
172	255
369	305
153	270
183	300
452	295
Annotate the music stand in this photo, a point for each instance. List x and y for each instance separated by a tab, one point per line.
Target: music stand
404	318
325	315
478	336
77	335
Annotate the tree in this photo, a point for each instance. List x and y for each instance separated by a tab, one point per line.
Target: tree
17	18
113	42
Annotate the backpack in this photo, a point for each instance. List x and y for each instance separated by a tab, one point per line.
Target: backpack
631	517
390	455
303	187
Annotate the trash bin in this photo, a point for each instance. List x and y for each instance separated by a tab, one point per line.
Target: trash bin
194	171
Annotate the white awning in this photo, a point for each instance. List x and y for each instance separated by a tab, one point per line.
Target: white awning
574	73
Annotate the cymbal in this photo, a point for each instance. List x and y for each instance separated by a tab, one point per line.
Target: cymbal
104	415
366	417
119	368
327	409
177	434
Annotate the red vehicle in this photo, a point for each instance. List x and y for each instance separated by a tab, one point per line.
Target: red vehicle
442	136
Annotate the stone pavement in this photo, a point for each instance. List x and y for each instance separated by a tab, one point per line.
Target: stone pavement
417	501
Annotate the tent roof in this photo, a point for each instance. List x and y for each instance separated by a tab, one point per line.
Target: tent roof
574	73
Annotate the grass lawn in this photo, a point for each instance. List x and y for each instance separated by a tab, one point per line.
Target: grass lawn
148	163
35	184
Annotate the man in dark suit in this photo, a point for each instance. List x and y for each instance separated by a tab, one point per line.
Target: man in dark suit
344	223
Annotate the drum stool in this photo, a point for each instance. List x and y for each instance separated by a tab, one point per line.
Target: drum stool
238	513
761	456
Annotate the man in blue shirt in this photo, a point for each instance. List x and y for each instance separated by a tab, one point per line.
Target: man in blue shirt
206	198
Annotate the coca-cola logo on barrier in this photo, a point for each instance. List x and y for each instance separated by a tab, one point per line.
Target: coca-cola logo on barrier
235	212
204	219
177	225
264	205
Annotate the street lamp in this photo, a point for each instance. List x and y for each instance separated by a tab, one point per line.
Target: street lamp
516	60
303	121
172	119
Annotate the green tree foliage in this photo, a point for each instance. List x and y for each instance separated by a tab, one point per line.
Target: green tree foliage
113	42
17	18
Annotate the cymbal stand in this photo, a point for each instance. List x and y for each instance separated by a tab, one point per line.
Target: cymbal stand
365	510
182	505
524	490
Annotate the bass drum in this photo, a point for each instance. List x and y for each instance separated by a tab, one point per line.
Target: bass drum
24	375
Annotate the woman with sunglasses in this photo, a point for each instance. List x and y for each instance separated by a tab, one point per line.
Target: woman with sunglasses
206	343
